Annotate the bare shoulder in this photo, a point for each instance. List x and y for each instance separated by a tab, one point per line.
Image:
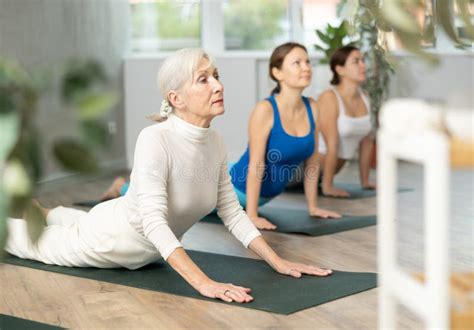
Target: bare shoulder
262	114
327	96
327	101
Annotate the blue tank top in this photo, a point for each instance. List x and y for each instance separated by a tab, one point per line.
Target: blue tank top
283	155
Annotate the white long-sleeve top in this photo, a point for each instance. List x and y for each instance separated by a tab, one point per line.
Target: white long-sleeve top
180	175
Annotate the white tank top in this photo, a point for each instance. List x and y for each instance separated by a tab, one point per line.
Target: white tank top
351	130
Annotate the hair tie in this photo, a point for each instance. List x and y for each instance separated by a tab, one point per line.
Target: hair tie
165	108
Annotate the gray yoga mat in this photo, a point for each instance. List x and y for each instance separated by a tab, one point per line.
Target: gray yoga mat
8	322
272	292
354	189
299	222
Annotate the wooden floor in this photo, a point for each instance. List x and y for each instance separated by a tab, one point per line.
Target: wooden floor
86	304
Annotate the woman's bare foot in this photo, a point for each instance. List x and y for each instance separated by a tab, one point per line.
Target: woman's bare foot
114	190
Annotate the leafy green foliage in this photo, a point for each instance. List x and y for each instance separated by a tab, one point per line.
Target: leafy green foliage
94	133
81	76
75	156
368	25
374	17
333	38
84	90
95	104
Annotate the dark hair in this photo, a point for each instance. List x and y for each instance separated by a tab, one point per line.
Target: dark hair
339	58
277	58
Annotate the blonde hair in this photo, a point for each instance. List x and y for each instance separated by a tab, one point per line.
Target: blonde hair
176	71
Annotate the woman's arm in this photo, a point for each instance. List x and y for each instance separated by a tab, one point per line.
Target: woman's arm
282	266
328	124
185	267
311	174
365	153
260	124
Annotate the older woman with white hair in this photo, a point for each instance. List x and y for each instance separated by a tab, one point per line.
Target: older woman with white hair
179	175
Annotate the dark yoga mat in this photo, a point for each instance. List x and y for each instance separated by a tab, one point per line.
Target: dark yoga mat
354	189
299	222
8	322
272	292
89	204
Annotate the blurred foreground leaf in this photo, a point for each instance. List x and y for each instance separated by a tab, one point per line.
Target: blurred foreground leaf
96	104
95	133
16	182
35	221
74	156
3	220
81	76
9	130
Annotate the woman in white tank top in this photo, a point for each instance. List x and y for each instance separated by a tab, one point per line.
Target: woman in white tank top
345	121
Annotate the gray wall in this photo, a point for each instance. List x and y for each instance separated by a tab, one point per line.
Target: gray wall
43	34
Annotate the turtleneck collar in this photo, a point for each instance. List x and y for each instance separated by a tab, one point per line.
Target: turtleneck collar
188	130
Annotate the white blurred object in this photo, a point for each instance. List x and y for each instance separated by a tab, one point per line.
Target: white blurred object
460	123
400	116
415	131
409	116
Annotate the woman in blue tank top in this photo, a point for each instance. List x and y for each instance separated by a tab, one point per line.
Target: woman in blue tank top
282	135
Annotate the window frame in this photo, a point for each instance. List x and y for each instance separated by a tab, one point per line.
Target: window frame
213	39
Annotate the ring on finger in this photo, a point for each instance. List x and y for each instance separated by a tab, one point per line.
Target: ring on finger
225	292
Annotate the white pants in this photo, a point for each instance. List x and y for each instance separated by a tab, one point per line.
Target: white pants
100	238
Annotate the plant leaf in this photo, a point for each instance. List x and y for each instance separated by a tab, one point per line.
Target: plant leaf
463	7
35	222
324	38
80	76
3	220
96	104
74	156
9	130
15	179
94	133
318	47
397	16
444	12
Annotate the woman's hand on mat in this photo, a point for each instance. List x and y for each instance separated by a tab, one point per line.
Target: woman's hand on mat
226	292
322	213
294	269
335	192
262	223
